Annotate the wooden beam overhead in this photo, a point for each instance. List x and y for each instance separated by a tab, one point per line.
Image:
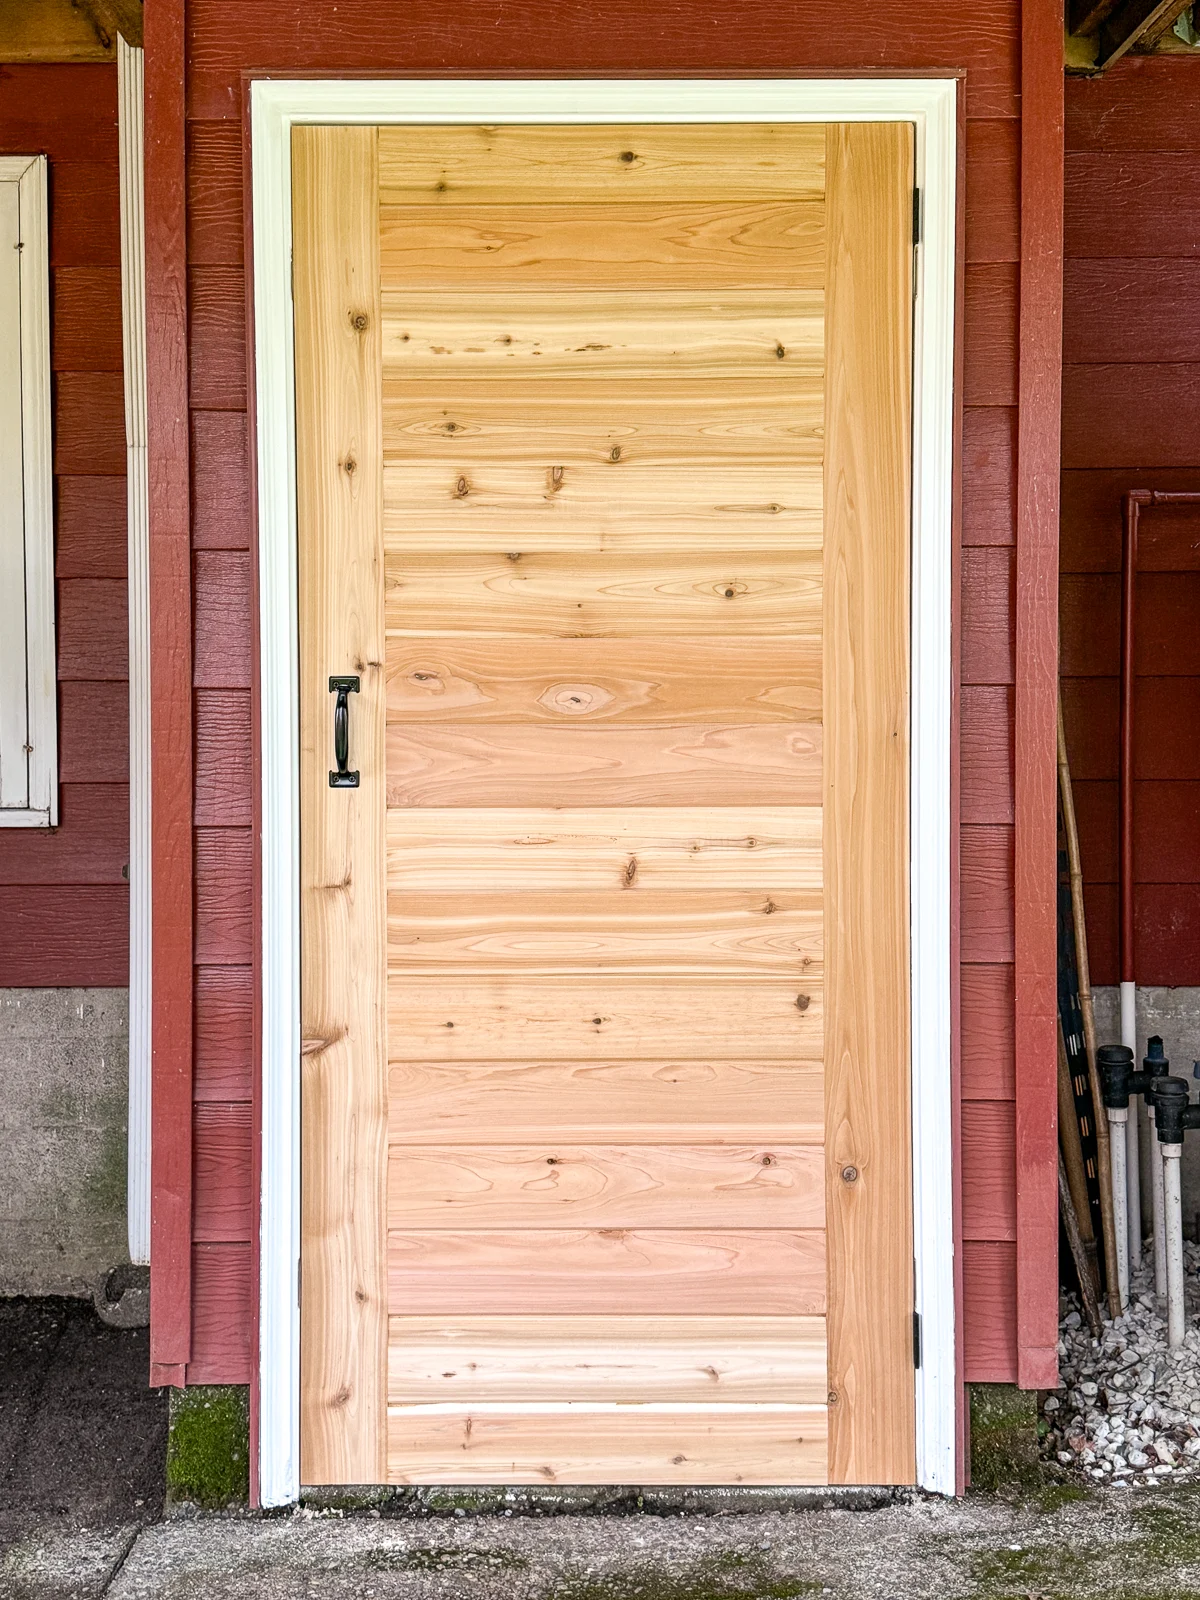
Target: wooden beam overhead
1102	31
66	30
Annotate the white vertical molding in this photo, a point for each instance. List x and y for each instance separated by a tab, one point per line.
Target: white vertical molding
133	328
930	105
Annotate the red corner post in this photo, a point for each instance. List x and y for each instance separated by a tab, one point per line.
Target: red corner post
171	696
1035	841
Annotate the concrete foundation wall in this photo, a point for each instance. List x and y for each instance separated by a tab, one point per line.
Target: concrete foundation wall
63	1100
1175	1014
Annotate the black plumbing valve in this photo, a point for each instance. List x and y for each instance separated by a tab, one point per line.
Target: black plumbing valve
1115	1063
1173	1115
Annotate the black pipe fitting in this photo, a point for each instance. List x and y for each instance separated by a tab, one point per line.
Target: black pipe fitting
1119	1081
1173	1115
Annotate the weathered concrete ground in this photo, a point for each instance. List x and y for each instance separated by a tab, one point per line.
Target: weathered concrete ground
1112	1546
82	1446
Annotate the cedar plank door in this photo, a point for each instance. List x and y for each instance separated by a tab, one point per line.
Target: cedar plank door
603	486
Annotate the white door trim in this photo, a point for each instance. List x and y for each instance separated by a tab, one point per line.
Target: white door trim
931	105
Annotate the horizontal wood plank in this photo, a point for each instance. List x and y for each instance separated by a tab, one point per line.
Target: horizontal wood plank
222	1314
602	1018
92	528
759	764
223	1034
986	753
565	423
690	1100
990	295
93	629
89	845
1134	416
222	1163
621	1360
989	1169
89	424
86	319
1140	194
93	732
600	508
220	481
988	1316
1151	104
570	681
558	1185
613	163
553	934
993	189
65	935
224	759
447	849
989	468
742	1445
224	897
223	619
986	879
1090	537
988	1032
217	338
85	202
216	220
647	245
1131	309
525	337
766	593
988	605
610	1271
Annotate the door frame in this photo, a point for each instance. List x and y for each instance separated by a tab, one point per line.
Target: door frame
931	104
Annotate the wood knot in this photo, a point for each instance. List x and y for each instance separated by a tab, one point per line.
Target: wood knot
628	156
615	453
630	873
350	465
360	321
462	489
802	1002
780	352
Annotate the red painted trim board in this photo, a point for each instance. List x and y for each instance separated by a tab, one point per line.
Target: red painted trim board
171	694
1038	468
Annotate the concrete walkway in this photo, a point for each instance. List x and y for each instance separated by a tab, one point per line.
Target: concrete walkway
1108	1546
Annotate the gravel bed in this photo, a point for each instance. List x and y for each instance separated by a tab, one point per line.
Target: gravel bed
1128	1411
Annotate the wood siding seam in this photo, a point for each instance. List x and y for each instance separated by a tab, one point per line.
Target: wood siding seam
1035	844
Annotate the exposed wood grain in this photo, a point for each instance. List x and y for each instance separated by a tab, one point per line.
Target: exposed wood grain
635	1272
594	508
89	423
989	1169
53	31
989	1029
86	325
573	681
91	528
689	1100
986	753
224	1034
93	732
762	764
622	1360
765	593
614	162
443	851
603	1018
867	1085
564	422
558	1185
744	1445
221	481
520	338
343	1319
572	932
222	1207
646	245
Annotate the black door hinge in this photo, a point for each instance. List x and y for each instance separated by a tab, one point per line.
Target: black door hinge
916	239
917	1339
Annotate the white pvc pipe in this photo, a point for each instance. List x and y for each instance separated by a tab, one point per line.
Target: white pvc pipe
1117	1121
1174	1231
1133	1149
1157	1195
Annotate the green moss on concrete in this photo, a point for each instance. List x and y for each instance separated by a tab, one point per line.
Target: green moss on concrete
1004	1440
728	1576
104	1187
208	1446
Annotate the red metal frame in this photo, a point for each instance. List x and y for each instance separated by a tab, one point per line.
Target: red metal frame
1036	690
1132	505
171	696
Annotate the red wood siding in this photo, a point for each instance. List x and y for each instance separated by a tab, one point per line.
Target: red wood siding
227	38
1131	396
64	901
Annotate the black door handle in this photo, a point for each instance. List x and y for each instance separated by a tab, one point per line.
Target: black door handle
342	687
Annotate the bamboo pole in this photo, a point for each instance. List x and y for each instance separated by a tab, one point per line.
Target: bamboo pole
1087	1289
1087	1010
1072	1156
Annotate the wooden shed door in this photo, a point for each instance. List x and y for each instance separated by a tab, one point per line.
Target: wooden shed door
603	493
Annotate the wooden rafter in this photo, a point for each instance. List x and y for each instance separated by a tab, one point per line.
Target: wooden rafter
1102	31
67	30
